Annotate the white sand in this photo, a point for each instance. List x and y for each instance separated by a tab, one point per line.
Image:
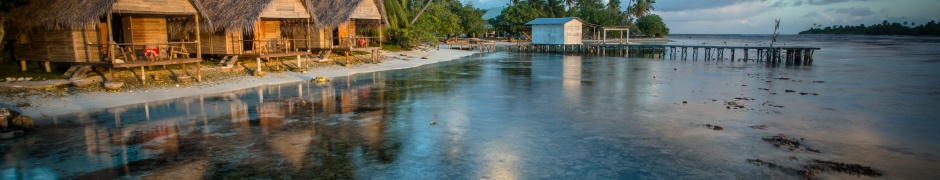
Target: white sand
90	101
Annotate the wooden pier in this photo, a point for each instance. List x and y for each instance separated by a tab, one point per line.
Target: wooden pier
795	55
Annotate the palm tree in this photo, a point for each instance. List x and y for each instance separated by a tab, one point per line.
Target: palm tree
641	8
613	5
569	3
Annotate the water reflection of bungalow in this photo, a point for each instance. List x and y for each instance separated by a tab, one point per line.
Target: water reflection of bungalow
107	33
255	28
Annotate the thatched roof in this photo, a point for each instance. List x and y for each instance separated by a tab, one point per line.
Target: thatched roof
66	14
60	14
331	13
231	15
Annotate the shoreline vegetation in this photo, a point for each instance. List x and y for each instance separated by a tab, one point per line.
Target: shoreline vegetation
885	28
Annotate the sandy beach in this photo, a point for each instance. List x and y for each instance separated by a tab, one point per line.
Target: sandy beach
50	106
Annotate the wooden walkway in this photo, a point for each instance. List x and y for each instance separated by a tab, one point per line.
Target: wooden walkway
797	55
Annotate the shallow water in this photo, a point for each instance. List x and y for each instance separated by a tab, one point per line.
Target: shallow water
526	116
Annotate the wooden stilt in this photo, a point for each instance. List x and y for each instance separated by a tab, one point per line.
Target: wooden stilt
258	69
23	66
143	75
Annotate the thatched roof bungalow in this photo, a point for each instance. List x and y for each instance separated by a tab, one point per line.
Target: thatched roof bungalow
337	22
254	27
110	33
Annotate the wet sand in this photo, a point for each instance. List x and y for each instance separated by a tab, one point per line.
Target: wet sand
51	106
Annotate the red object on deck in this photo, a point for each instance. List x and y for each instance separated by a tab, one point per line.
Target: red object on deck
361	42
151	51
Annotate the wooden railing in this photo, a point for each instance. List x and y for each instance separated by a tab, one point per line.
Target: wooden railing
273	45
128	52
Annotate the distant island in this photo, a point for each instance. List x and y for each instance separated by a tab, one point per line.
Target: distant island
885	28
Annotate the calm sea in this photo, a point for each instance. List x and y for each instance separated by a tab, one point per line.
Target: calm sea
867	100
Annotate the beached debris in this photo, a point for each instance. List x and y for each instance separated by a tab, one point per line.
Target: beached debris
817	166
23	122
321	79
113	86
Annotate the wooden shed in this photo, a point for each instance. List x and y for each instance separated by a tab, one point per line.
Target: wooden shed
338	21
556	30
255	28
108	33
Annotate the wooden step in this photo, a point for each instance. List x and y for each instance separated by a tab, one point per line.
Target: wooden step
231	61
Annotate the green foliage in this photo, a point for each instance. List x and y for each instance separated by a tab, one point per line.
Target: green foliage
471	20
594	12
885	28
513	18
441	18
652	25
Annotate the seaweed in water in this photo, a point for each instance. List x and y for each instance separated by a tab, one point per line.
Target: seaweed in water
791	144
810	171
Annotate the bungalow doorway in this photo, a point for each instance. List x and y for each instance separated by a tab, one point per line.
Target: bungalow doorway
335	36
247	44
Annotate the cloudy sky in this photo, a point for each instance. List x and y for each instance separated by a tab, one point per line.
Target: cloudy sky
757	16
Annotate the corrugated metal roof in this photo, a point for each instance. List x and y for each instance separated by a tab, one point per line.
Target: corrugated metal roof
548	21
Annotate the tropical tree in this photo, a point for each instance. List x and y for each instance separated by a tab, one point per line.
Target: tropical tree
613	5
513	18
641	7
652	25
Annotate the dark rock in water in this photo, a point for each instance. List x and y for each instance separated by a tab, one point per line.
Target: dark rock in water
813	150
782	140
718	128
819	81
853	169
789	91
761	127
674	69
814	94
23	104
424	57
816	166
744	85
765	89
803	93
683	102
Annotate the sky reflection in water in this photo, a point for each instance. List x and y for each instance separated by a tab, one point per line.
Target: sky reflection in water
514	116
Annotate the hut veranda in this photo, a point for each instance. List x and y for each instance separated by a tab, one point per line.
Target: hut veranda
108	33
